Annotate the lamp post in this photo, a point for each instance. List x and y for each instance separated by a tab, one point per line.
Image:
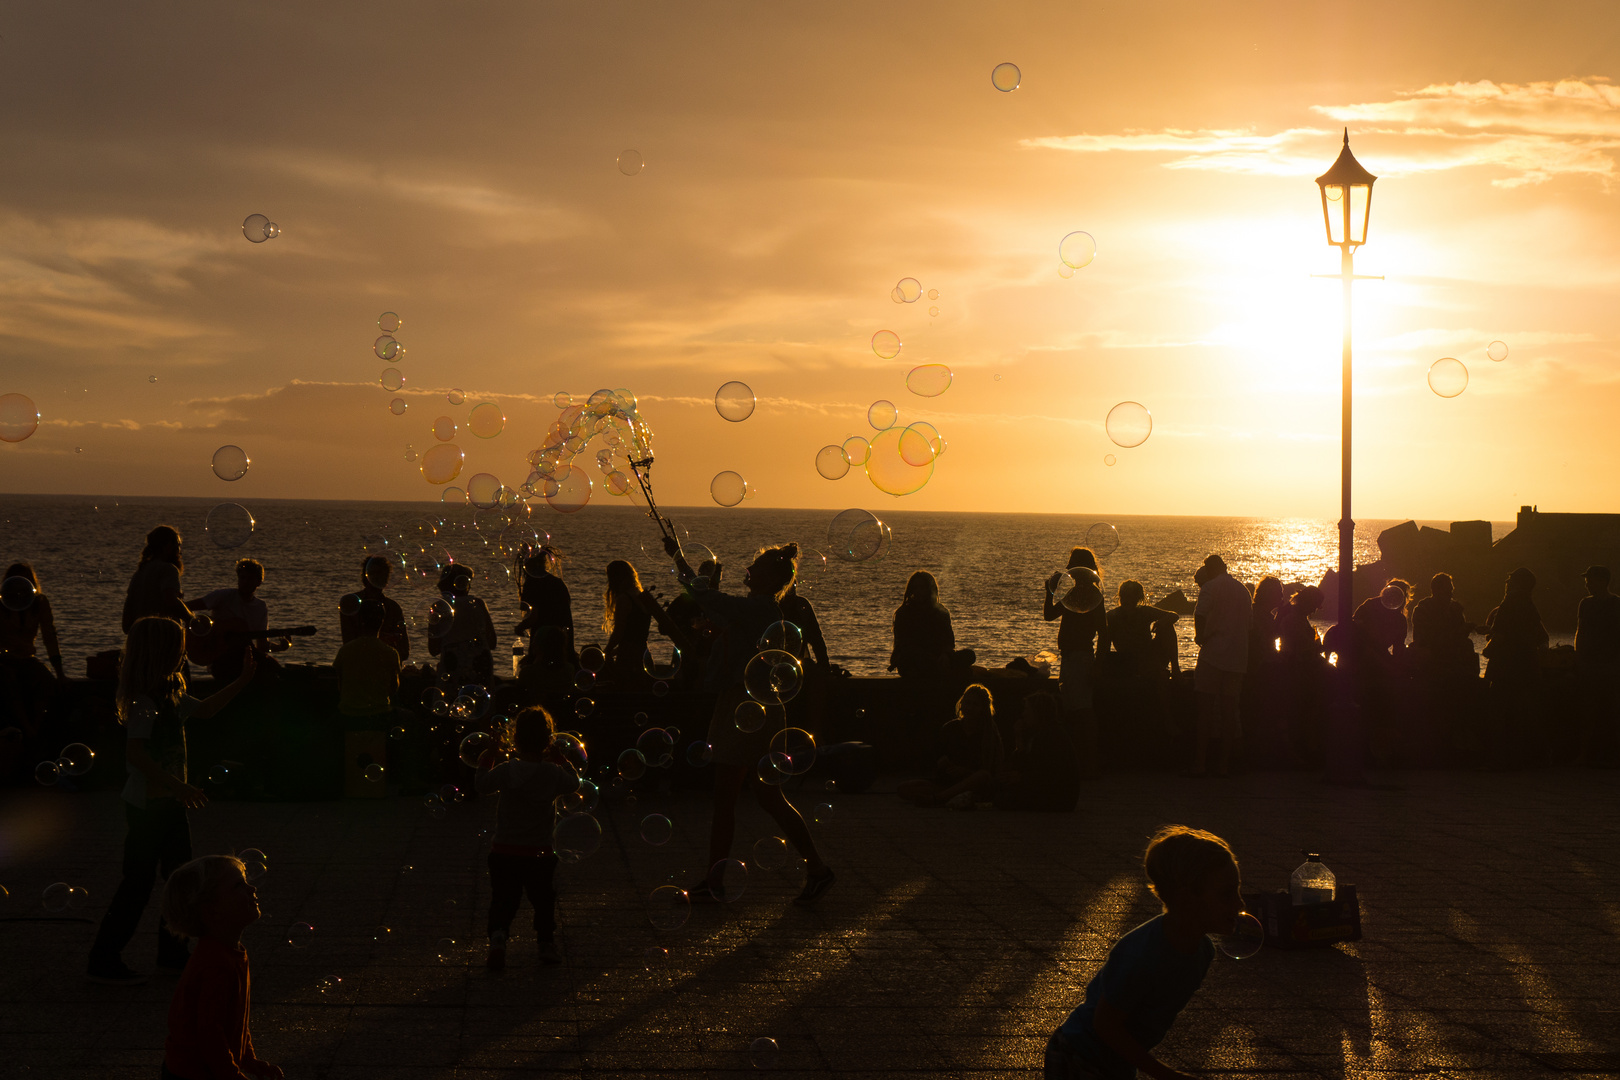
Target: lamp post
1346	207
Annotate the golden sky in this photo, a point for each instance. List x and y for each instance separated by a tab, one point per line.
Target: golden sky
458	164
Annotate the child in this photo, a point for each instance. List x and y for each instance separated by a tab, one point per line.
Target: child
1153	971
521	858
153	706
972	758
210	899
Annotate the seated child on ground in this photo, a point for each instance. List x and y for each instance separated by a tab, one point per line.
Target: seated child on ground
1040	775
211	900
521	857
1153	971
972	745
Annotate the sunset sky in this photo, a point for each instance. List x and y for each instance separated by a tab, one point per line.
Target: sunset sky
456	163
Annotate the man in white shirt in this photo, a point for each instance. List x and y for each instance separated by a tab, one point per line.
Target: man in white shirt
1221	629
238	612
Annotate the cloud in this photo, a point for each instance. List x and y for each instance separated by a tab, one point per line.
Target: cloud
1533	132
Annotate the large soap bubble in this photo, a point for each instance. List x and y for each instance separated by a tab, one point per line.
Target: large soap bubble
793	751
734	401
391	379
888	468
1448	377
936	441
256	228
929	380
886	343
1077	588
909	289
1103	539
231	462
773	677
17	593
442	463
1129	424
631	162
18	418
486	420
1006	77
1497	350
1077	249
1248	936
882	415
229	525
573	490
917	444
728	488
856	450
831	463
484	491
857	535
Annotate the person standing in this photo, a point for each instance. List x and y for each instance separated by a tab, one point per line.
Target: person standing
1221	631
1082	636
1597	661
155	587
463	639
26	687
1512	664
374	575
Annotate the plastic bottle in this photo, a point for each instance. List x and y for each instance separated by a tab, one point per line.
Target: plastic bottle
1312	883
517	655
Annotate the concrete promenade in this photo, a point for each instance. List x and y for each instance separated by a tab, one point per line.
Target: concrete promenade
951	946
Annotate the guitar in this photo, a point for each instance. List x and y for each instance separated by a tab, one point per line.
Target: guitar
206	648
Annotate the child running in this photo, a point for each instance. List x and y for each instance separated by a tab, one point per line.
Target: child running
521	857
1153	971
153	707
210	899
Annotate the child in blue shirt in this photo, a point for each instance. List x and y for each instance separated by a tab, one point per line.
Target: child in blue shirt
1153	971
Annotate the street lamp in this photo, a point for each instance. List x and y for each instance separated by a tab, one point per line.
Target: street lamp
1346	209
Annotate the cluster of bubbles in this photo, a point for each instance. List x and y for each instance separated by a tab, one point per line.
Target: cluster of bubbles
612	419
75	759
1448	376
18	418
258	228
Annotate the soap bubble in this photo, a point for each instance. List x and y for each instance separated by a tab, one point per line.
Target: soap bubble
253	227
929	380
584	706
1245	940
229	525
18	418
888	468
1077	589
728	878
486	420
389	323
734	401
444	429
299	935
916	448
896	295
391	379
484	491
661	659
773	677
1006	77
631	765
572	747
1077	249
668	908
76	759
398	406
631	162
573	490
933	312
473	747
1497	350
749	716
47	773
656	748
783	635
1109	459
55	897
582	800
762	1051
793	750
1448	377
699	754
773	770
374	773
831	463
909	289
562	399
577	836
728	488
1103	539
1392	597
770	853
882	415
886	343
456	396
857	535
856	450
1129	424
823	813
592	659
442	463
231	462
255	863
271	231
17	593
452	495
656	829
387	347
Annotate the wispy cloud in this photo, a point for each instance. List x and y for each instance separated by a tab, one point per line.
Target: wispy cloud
1532	132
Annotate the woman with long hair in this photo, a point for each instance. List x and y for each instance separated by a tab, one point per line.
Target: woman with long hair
627	622
924	641
155	587
1081	636
736	751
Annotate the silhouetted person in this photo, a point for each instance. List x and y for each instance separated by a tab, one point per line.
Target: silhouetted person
1143	643
465	641
1440	629
812	701
1597	662
1037	776
1381	626
1303	671
1081	636
239	613
1221	629
924	642
1384	617
1512	658
971	756
1263	699
544	596
1296	635
627	621
374	574
155	587
1446	666
26	687
1264	618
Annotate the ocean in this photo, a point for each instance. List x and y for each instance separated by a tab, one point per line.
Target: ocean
991	567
